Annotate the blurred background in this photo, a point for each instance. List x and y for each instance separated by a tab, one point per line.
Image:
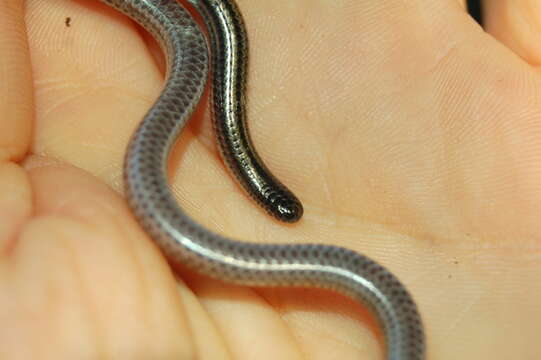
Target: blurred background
474	6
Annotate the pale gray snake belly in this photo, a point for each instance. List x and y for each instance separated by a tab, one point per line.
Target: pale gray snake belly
185	241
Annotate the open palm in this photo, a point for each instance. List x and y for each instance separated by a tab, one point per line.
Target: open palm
410	135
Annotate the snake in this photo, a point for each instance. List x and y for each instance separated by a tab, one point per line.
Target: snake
218	50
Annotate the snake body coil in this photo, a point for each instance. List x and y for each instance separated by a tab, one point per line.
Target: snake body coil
184	240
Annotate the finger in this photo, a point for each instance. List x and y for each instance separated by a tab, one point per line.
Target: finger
84	251
16	105
517	24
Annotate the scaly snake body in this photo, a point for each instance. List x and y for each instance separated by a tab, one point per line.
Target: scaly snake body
184	240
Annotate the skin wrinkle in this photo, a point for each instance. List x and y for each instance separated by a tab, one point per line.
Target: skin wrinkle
137	269
85	299
227	348
208	296
84	92
303	325
261	295
329	335
47	222
186	290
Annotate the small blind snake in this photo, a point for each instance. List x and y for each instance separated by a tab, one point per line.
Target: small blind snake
181	238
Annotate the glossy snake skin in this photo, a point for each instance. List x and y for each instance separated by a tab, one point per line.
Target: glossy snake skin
181	238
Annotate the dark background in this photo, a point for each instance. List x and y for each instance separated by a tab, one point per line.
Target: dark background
474	6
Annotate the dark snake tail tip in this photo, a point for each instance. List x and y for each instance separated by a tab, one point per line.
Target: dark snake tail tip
289	211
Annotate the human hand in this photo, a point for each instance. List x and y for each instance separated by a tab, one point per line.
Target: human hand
408	133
